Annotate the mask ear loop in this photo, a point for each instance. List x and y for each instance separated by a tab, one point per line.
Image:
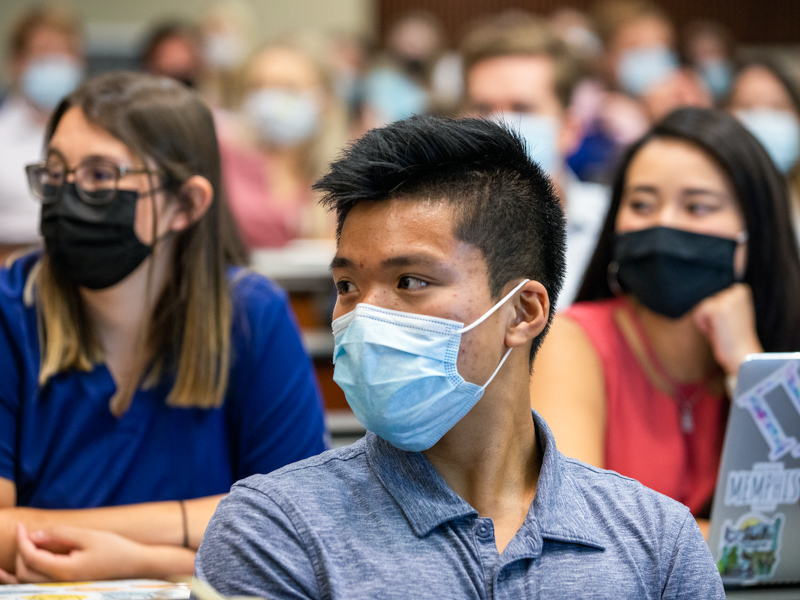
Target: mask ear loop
489	313
486	316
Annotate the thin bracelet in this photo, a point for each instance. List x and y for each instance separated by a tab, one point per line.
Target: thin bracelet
185	524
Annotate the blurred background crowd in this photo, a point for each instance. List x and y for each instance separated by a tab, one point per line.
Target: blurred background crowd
291	82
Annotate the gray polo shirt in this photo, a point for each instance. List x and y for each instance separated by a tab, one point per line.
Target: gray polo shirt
371	521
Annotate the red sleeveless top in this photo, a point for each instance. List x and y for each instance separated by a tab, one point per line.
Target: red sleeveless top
669	441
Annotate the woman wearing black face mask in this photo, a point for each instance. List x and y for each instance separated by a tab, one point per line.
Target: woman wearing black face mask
143	371
696	267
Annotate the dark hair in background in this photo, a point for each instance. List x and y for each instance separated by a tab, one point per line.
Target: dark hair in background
776	69
504	204
773	265
161	121
56	17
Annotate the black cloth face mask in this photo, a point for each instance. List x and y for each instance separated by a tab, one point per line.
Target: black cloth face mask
672	270
93	246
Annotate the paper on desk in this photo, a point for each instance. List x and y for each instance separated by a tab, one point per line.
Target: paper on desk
126	589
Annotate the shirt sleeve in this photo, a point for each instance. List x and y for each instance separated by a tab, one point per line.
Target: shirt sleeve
277	416
10	396
251	548
692	573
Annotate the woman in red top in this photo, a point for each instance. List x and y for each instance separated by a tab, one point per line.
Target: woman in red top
695	268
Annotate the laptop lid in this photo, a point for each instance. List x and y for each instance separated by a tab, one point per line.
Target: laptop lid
755	518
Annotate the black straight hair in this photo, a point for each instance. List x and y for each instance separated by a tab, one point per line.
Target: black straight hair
773	265
504	204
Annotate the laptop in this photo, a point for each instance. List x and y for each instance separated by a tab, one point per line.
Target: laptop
755	517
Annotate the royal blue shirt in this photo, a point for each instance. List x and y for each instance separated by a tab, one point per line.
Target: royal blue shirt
371	521
63	448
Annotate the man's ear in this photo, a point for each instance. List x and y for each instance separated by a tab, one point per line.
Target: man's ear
196	195
531	310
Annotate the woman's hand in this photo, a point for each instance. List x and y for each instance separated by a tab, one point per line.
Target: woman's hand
66	553
728	320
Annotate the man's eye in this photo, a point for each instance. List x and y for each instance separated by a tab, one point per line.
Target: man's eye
343	287
411	283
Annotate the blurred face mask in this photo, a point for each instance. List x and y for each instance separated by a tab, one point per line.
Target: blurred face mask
672	270
540	133
778	131
282	117
717	76
640	69
399	374
224	51
47	80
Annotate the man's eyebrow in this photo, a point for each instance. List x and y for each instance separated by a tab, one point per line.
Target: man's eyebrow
408	260
340	262
405	260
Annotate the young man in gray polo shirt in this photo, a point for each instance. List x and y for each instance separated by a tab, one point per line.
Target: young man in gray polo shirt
449	262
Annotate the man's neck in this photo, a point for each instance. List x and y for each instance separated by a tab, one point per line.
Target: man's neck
491	458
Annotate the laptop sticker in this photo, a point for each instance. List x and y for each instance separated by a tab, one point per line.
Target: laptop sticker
755	402
750	548
764	487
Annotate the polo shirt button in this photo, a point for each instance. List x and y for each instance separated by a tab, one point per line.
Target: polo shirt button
483	530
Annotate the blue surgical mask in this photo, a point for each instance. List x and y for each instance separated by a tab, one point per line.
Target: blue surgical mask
282	117
640	69
393	95
399	375
716	75
47	80
777	130
540	133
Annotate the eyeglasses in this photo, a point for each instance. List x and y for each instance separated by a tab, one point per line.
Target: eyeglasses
96	179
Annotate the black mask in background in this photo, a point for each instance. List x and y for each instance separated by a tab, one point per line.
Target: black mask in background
671	270
92	246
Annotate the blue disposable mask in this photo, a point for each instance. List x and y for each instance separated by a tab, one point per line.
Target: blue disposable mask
392	95
282	117
540	133
778	131
717	76
399	375
47	80
640	69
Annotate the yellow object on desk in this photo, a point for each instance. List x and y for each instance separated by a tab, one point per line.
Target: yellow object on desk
126	589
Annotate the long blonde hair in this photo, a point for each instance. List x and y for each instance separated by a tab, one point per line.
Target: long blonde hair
189	332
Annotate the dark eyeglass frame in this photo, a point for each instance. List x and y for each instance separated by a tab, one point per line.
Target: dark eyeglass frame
99	197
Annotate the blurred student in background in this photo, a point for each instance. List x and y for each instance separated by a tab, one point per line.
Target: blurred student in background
708	47
174	49
643	78
144	371
294	123
766	99
518	71
696	267
46	63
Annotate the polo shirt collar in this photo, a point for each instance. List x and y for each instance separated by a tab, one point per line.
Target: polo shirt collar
423	496
560	506
559	511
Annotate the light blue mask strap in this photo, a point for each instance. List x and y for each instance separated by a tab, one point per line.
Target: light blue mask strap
491	310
